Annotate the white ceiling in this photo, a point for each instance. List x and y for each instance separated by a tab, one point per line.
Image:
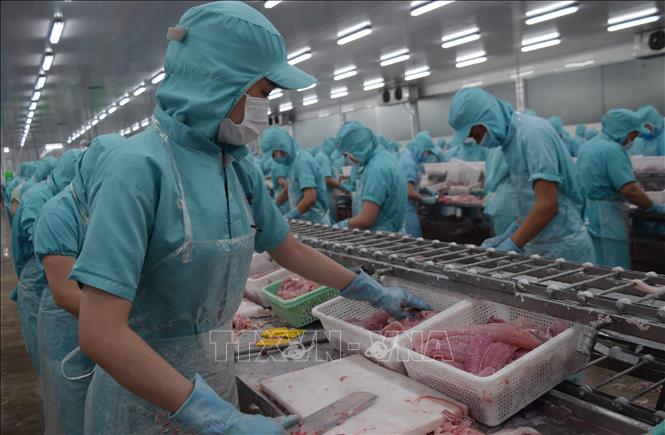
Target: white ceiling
107	48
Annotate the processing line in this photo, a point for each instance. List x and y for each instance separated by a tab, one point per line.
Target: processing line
626	325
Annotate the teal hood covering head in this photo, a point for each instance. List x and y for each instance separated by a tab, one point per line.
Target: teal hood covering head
420	145
556	122
63	173
580	130
44	168
216	52
328	146
650	115
475	106
590	133
441	143
278	139
357	140
618	123
27	169
530	112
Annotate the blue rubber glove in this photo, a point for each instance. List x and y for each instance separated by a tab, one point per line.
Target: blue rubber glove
428	191
508	245
392	300
428	200
342	224
495	241
207	413
292	214
657	208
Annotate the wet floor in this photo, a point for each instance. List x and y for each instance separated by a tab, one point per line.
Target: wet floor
21	410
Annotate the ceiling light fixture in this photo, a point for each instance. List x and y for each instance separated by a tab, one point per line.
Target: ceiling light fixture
545	44
41	81
277	93
95	122
312	86
299	56
138	91
135	126
417	73
36	95
369	85
579	64
30	114
469	56
310	99
521	74
48	60
472	84
633	23
157	78
353	33
56	29
470	62
551	16
53	146
102	116
269	4
145	122
422	7
5	150
112	109
395	57
540	38
345	72
551	7
285	107
339	92
460	41
124	100
632	15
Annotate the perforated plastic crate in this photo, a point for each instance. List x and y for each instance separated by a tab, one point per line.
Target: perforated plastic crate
297	311
495	398
350	338
262	272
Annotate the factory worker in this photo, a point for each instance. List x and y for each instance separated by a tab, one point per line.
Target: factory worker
306	194
590	134
330	176
412	165
58	237
531	112
29	290
651	143
380	184
549	195
500	195
557	123
43	168
26	169
173	224
468	151
580	131
579	139
608	179
278	172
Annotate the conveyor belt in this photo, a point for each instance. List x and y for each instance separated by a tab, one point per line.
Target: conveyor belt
583	293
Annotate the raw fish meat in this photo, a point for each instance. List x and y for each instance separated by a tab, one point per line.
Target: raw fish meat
375	323
646	288
241	323
294	286
381	323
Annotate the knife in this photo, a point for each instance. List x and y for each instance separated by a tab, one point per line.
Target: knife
334	414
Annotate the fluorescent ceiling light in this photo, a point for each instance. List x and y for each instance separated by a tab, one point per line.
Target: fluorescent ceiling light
470	56
309	100
41	81
632	15
145	122
5	150
339	92
373	84
285	107
395	57
48	60
420	7
56	30
112	109
32	106
472	85
471	62
275	94
138	91
124	100
31	114
271	3
540	45
540	38
461	33
417	73
157	78
344	75
460	41
28	121
579	64
53	146
521	74
551	15
95	122
354	32
312	86
135	126
633	23
548	8
299	56
36	95
102	116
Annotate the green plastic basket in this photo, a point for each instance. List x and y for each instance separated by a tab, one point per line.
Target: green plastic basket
297	311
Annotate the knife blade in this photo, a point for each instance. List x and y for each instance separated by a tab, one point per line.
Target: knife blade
334	414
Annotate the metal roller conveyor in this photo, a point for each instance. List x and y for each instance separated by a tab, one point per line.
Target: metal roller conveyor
578	292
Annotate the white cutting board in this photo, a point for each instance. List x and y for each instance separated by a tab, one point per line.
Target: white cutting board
402	406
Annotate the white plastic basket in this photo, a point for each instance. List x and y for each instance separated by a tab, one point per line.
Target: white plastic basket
495	398
350	338
266	272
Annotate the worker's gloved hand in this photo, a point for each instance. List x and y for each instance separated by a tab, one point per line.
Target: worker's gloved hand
207	413
657	208
428	191
292	214
393	300
508	245
495	241
341	224
428	200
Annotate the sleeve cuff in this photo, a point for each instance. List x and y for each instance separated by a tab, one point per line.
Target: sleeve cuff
373	199
276	238
103	284
547	177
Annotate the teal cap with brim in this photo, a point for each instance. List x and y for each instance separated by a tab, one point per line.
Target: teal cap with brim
461	135
287	76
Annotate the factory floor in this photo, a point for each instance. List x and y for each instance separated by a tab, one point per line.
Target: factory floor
21	410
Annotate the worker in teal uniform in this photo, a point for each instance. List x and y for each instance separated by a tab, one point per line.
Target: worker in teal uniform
412	160
500	195
468	151
332	183
557	123
652	142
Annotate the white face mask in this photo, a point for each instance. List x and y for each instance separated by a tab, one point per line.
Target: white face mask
251	127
